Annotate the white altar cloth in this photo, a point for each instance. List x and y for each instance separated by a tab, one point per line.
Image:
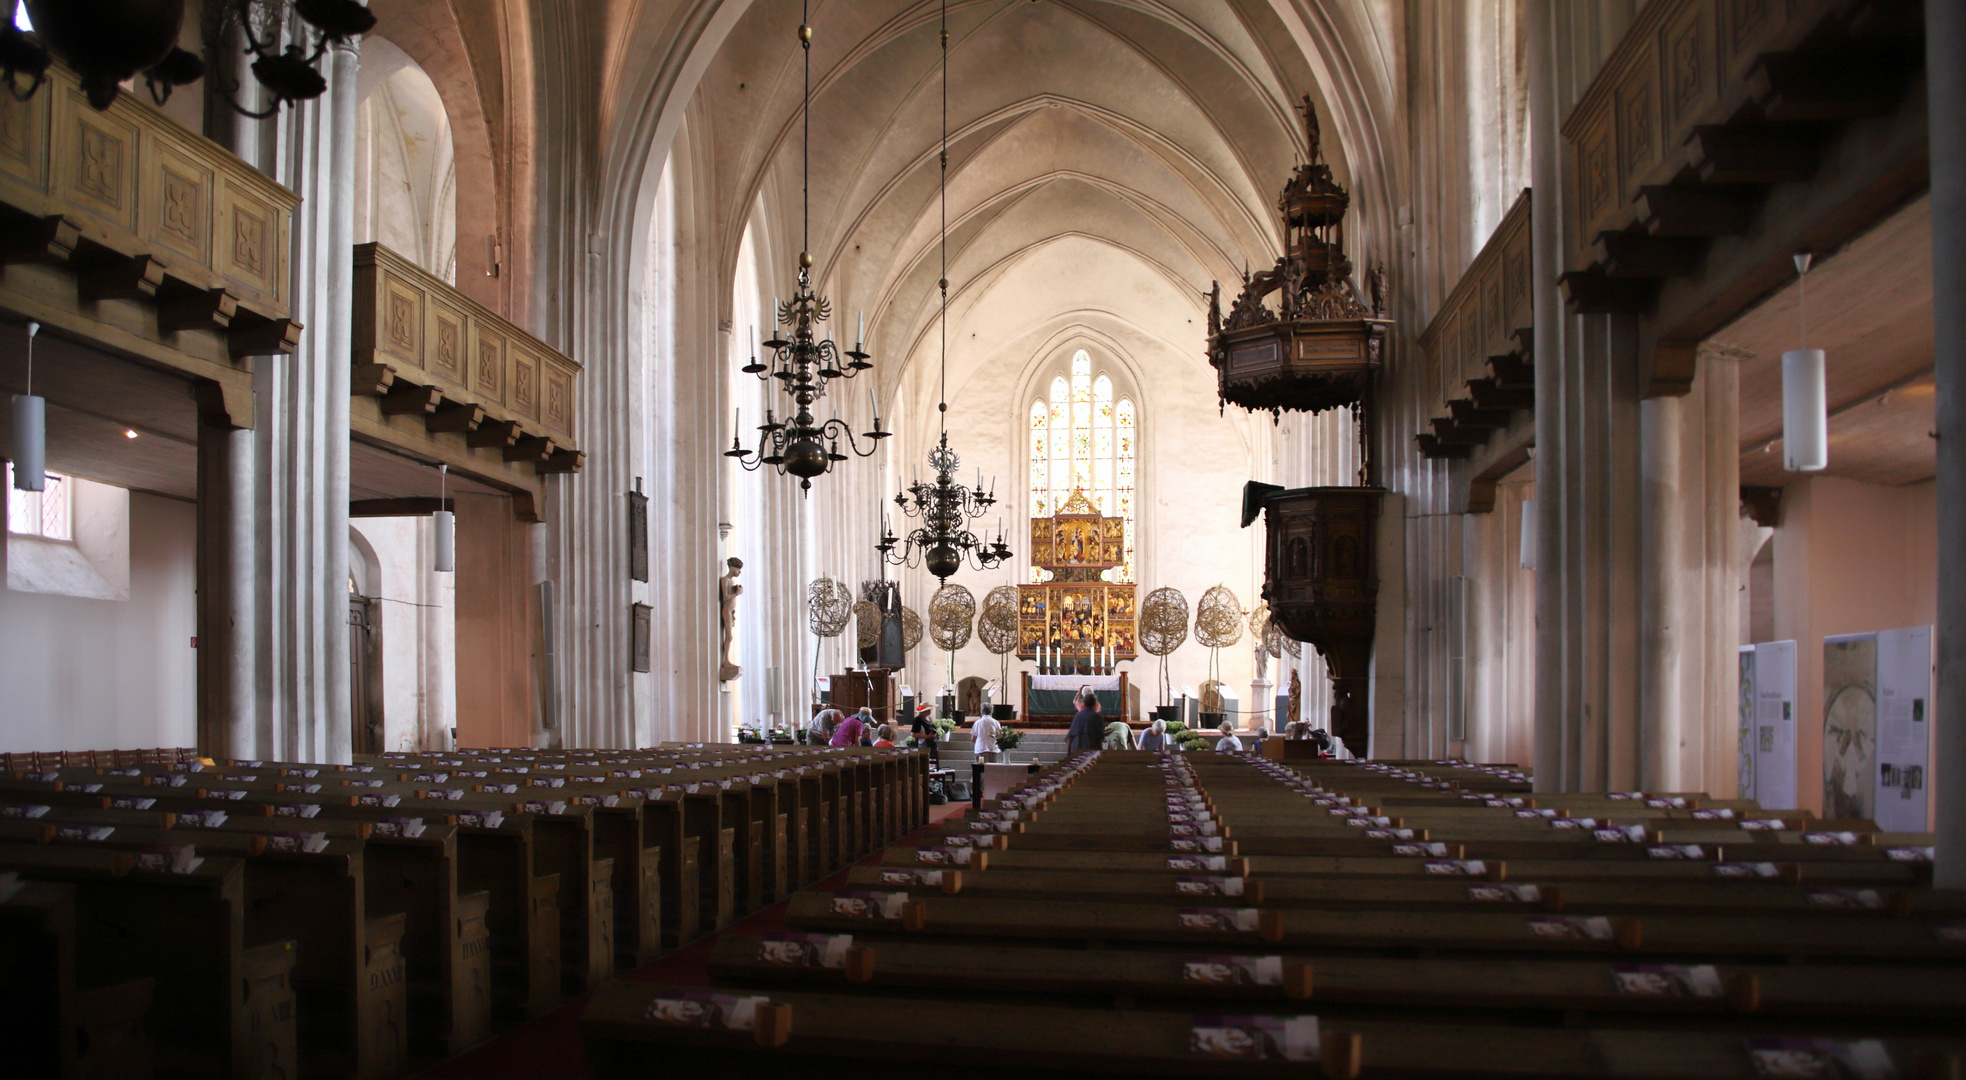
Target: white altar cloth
1076	682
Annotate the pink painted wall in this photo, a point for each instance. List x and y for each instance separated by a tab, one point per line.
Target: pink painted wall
1850	558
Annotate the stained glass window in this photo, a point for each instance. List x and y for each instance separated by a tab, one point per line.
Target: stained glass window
1083	438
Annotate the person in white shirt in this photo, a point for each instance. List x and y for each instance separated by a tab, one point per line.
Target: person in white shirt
1228	743
985	730
821	727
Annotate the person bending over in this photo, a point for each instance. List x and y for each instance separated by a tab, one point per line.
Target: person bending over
848	732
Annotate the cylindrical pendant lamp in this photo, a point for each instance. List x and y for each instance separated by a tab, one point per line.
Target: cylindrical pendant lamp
445	524
30	452
1526	548
1805	395
1805	411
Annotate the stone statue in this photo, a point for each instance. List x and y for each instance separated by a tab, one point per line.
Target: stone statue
1313	140
1262	660
728	590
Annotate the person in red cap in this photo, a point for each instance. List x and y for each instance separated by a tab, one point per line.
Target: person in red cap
925	733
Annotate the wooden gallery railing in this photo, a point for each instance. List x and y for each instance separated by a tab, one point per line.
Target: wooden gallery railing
1479	360
124	228
1677	148
441	376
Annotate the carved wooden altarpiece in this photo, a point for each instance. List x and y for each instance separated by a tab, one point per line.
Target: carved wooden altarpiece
1077	611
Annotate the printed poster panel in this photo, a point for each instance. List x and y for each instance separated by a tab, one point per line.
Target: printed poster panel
1850	726
1904	728
1745	707
1774	725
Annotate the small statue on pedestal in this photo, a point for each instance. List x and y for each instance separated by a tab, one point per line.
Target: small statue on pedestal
728	590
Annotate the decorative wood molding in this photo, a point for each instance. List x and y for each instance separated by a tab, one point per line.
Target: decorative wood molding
428	333
437	375
125	229
1478	367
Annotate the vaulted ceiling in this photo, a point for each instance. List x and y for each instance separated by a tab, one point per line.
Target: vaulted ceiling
1159	132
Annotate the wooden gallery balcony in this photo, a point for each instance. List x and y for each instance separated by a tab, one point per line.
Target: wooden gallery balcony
439	377
1480	365
126	230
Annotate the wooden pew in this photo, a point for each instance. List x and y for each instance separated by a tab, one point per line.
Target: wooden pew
220	1009
820	1034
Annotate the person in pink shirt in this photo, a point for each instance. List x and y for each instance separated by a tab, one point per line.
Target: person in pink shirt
848	733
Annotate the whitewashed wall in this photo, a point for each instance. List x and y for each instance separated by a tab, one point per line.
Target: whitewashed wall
106	674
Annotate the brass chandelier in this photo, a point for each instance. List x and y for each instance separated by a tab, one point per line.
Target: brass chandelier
803	363
109	42
943	542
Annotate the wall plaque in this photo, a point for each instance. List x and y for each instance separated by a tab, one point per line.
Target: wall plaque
639	635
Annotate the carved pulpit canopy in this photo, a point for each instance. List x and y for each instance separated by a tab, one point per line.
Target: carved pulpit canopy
1321	345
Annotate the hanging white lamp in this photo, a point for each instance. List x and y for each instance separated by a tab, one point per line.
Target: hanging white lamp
1805	397
446	526
30	429
1526	543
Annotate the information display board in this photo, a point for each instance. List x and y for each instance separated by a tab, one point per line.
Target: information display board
1850	726
1904	729
1768	741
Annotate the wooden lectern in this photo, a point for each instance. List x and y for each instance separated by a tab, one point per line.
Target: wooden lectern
874	688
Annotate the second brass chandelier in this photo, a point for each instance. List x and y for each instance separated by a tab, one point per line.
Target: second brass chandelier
942	541
802	362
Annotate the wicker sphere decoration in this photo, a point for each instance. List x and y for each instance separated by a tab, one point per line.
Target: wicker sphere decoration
1218	618
1163	621
1275	641
867	623
997	626
951	614
911	629
828	606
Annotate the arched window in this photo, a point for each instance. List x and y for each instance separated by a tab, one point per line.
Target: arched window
1082	439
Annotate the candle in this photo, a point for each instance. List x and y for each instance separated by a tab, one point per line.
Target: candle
874	404
860	336
774	316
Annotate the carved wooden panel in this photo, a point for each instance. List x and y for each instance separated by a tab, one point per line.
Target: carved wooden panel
557	413
24	143
1596	177
181	202
445	358
522	382
400	333
1686	56
488	367
96	156
251	245
1638	127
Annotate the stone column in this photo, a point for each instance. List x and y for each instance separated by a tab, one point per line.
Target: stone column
1663	628
1546	246
227	693
1945	75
